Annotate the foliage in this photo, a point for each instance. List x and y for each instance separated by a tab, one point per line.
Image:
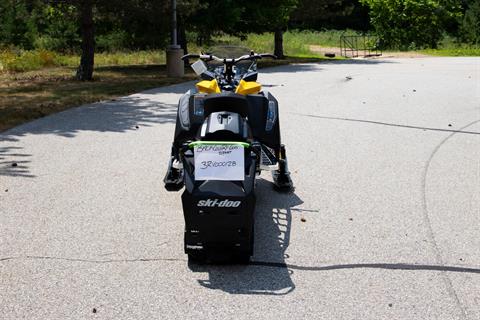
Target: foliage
329	14
470	24
16	24
115	40
57	27
266	15
212	18
410	24
21	60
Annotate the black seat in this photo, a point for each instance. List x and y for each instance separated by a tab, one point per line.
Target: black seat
231	102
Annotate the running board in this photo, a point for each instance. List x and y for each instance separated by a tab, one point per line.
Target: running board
268	161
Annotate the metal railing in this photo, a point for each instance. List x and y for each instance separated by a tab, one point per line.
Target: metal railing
360	45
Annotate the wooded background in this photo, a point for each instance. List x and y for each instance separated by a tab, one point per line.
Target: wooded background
77	26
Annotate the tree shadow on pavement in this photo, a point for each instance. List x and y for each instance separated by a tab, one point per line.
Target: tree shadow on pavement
314	66
13	162
120	115
272	237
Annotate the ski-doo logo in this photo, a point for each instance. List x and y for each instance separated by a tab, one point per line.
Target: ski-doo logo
217	203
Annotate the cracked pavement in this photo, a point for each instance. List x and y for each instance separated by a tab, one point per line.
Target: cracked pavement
384	221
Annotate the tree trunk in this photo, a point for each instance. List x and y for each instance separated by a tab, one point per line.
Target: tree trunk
182	39
85	69
278	51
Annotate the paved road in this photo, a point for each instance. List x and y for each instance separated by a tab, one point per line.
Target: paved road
385	157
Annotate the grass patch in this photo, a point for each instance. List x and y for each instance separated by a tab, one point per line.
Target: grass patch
296	43
143	57
453	52
12	60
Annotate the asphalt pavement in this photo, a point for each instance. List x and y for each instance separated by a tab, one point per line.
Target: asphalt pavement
384	222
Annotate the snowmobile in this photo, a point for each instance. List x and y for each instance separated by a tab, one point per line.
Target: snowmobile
227	131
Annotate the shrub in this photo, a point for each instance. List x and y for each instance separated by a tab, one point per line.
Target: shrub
58	28
470	25
17	26
21	60
411	24
110	42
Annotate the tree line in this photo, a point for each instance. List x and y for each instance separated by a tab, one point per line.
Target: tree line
89	25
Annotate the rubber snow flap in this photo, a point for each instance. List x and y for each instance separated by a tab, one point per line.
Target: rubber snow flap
219	215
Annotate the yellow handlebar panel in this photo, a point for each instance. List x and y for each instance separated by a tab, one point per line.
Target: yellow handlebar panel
206	86
248	87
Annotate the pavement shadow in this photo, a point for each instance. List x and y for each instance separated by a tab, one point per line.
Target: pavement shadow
314	66
120	115
272	237
13	162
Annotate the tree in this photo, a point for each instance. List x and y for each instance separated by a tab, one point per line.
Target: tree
331	14
85	69
410	24
470	24
269	15
212	17
16	24
85	17
57	27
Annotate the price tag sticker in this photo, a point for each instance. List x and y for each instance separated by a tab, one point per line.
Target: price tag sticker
219	162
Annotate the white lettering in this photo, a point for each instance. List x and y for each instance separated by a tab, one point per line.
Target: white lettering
217	203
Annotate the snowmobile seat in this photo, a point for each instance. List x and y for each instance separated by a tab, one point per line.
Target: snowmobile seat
230	102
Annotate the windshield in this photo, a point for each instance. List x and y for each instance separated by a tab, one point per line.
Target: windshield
228	51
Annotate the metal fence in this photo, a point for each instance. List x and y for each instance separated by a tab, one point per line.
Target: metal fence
360	45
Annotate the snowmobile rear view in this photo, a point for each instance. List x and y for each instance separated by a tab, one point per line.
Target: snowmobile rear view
227	131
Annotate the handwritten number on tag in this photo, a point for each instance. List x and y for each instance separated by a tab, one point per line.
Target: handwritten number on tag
215	164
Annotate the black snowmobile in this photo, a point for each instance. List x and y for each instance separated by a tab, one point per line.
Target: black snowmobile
227	131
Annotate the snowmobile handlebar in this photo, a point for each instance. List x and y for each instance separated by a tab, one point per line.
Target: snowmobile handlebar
210	57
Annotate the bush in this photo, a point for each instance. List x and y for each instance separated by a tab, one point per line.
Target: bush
411	24
470	26
57	28
21	60
113	41
17	26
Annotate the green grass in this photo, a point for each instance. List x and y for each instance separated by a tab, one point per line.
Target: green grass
449	47
21	60
143	57
453	52
296	44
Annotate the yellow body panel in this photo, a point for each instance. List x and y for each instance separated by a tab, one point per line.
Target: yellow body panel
248	87
206	86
